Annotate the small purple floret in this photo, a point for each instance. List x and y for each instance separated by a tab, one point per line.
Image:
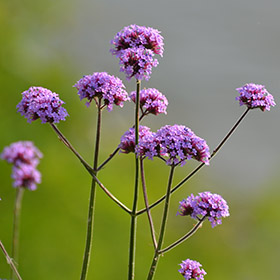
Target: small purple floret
255	96
21	152
136	46
179	144
101	85
41	103
127	144
213	206
26	176
191	270
151	101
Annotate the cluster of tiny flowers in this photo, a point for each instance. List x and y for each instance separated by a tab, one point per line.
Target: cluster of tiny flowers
101	85
179	144
41	103
255	96
151	101
25	157
205	204
136	46
127	144
191	270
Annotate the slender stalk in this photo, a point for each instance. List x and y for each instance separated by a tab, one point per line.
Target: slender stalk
152	229
200	166
90	220
116	150
163	226
88	168
16	225
10	261
133	223
185	237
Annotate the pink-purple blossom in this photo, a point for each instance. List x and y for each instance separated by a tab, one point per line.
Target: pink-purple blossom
255	96
21	152
205	204
191	270
41	103
151	101
26	176
102	86
136	46
127	144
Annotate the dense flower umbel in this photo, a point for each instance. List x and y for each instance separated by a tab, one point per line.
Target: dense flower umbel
191	270
41	103
101	85
26	176
151	101
255	96
22	152
136	46
213	206
127	144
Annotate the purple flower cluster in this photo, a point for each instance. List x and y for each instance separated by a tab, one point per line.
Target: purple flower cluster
25	157
101	85
205	204
127	144
255	96
176	142
136	46
151	101
191	270
41	103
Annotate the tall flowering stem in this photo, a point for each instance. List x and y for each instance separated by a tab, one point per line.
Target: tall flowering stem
201	165
133	223
17	212
90	219
10	261
147	204
163	226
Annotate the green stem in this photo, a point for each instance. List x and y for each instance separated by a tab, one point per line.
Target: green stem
163	226
133	223
185	237
200	166
17	212
10	261
90	220
145	195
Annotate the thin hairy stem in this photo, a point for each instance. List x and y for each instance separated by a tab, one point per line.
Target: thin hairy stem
10	261
133	223
90	220
152	228
163	226
200	166
16	225
185	237
89	169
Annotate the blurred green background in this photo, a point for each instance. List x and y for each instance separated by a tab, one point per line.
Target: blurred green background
211	47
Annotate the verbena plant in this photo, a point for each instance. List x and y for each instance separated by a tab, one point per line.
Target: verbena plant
136	48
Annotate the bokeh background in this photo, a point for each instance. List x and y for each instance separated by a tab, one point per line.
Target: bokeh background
211	48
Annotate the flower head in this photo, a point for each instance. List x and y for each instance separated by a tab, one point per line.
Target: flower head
26	176
205	204
22	152
127	144
41	103
191	270
179	144
151	101
101	85
136	46
255	96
